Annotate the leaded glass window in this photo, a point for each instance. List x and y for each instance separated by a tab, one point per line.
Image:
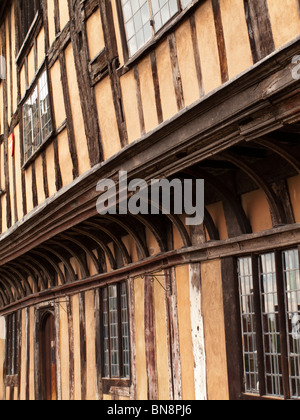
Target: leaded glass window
144	18
115	332
269	294
37	121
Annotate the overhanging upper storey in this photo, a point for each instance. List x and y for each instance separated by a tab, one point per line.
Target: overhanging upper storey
242	140
90	84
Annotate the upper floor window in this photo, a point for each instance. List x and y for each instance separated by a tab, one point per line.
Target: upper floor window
27	10
144	18
37	122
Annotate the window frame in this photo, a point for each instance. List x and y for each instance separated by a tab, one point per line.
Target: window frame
156	38
26	28
12	349
28	160
258	313
115	380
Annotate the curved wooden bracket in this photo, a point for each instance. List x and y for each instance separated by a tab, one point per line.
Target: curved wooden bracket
277	213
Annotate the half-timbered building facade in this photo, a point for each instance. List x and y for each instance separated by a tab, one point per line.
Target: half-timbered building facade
144	306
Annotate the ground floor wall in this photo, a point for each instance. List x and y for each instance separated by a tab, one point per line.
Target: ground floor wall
214	330
177	341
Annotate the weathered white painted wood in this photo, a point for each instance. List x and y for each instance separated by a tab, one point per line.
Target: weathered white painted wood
198	333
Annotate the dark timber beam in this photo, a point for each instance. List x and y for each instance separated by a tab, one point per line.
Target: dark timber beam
111	50
19	292
259	28
220	40
122	248
3	293
37	262
141	246
83	268
236	219
61	258
85	249
211	227
281	151
2	299
34	274
94	238
29	273
22	278
7	289
44	276
49	267
86	92
14	280
157	233
276	209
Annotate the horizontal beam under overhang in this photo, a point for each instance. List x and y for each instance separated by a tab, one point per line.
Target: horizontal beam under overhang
260	242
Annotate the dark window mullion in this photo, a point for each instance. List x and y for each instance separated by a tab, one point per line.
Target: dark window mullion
13	345
128	320
259	328
40	140
8	345
282	323
102	333
108	330
18	341
101	307
119	333
120	340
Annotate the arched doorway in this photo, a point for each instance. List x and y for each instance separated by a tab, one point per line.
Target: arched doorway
48	358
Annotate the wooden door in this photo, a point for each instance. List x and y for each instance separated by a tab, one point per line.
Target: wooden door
48	358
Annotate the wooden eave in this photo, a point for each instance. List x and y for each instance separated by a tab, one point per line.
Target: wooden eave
261	100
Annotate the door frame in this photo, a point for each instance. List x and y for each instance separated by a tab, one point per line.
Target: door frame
40	313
